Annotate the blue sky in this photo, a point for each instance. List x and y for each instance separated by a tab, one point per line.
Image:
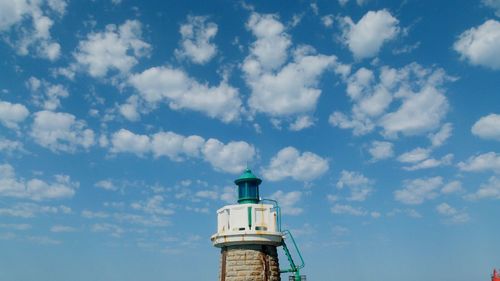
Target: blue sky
376	124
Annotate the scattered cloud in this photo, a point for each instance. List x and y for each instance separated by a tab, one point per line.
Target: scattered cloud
106	185
494	4
26	26
8	147
289	202
112	229
289	162
43	240
280	89
487	127
341	209
117	48
415	192
479	45
439	138
488	190
412	213
153	205
451	214
34	189
15	226
175	88
482	162
380	150
46	95
302	122
60	131
30	210
416	155
452	187
360	187
11	114
196	44
231	157
327	20
417	91
62	228
366	37
430	163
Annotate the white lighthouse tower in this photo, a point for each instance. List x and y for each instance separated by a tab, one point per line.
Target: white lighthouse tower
248	234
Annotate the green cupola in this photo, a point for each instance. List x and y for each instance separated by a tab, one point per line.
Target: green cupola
248	187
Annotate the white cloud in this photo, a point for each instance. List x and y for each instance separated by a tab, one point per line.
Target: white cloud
175	146
153	205
366	37
9	146
343	2
380	150
179	91
482	162
34	189
91	215
418	113
359	186
416	155
278	89
62	228
231	157
327	20
480	45
11	114
30	210
196	43
302	122
126	141
16	17
106	185
340	209
207	194
452	187
430	163
416	92
494	4
43	240
130	109
270	49
117	48
113	229
452	215
228	195
488	190
60	131
289	162
16	226
439	138
487	127
417	191
45	94
288	202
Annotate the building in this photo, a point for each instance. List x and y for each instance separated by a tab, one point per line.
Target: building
248	234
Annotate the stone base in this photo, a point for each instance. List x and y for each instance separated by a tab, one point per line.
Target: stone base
249	263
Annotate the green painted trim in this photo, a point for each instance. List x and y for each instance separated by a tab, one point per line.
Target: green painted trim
249	218
248	200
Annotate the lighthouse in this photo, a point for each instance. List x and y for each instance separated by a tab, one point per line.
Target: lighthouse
248	234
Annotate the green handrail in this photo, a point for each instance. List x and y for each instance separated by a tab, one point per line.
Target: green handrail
278	211
293	267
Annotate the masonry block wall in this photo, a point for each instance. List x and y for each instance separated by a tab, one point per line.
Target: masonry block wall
249	263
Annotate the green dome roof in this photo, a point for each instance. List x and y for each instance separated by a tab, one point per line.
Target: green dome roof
247	176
